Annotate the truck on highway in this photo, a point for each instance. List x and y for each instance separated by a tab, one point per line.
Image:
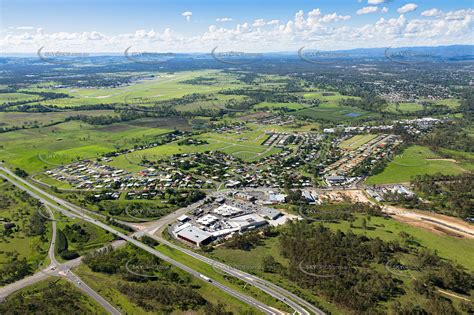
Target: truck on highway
205	278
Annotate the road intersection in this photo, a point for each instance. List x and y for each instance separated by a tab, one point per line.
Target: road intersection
72	210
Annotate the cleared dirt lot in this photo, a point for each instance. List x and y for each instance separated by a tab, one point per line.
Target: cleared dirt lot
434	222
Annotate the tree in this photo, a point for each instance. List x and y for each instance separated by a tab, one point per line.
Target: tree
269	264
20	173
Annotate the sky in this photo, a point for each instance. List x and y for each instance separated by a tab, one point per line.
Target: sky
96	26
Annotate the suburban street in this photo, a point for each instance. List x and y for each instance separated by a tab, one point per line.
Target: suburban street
34	191
236	158
60	270
155	229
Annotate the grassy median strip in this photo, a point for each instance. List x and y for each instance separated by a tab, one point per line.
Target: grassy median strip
221	277
107	285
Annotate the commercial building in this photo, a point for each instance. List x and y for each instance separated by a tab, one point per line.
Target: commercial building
335	180
244	196
183	218
269	213
247	222
276	198
194	235
207	220
227	211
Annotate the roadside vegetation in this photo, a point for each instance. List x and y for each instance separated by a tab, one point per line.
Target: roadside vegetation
25	234
136	281
175	133
52	296
335	259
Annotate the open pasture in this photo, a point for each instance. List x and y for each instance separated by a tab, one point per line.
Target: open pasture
334	113
245	145
404	107
45	118
415	160
356	141
48	147
16	97
157	87
278	106
215	102
327	96
450	102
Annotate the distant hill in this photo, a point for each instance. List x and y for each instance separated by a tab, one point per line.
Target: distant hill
425	53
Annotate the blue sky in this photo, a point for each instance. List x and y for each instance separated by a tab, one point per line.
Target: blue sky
106	25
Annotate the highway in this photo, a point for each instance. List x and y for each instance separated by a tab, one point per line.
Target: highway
51	254
268	287
283	295
73	211
50	271
57	269
287	297
89	291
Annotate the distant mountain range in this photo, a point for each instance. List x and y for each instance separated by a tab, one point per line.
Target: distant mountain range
443	51
464	52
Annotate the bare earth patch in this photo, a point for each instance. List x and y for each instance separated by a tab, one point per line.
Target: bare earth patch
254	116
447	160
434	222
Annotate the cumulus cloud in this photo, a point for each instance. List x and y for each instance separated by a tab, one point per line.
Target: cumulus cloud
460	15
333	17
376	1
313	29
259	23
26	28
224	19
431	12
409	7
372	9
187	15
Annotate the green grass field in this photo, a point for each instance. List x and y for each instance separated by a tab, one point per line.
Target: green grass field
158	87
450	102
34	149
334	113
404	107
326	96
45	179
215	102
245	145
276	106
24	118
408	108
16	97
356	141
330	110
415	160
466	159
